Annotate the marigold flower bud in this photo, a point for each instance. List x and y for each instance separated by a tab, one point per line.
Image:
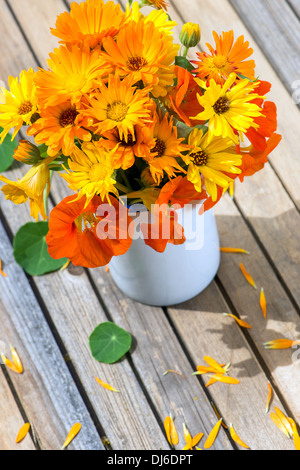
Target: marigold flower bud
190	35
27	153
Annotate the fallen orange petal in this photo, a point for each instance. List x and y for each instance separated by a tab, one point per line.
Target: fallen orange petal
281	343
187	437
214	364
23	432
204	370
263	302
1	272
9	364
106	386
107	269
296	436
73	433
234	250
269	397
248	277
225	378
196	439
16	360
282	422
236	438
171	431
212	435
238	320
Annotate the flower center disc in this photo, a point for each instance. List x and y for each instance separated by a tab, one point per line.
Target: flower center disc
117	111
25	108
136	63
68	117
98	172
160	148
199	158
221	105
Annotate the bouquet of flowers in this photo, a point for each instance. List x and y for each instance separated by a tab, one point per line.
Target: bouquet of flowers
124	113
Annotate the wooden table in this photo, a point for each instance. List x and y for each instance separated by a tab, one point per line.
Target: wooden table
49	319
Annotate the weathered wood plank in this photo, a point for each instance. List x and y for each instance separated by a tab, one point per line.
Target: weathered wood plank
275	28
131	423
46	388
295	5
11	420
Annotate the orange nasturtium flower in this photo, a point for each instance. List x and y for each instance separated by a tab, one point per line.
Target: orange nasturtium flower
73	231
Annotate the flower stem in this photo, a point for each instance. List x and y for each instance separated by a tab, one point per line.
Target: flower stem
185	52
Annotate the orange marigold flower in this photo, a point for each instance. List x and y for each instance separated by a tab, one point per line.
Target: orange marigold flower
89	22
73	72
73	232
118	106
58	127
124	150
225	58
27	153
138	52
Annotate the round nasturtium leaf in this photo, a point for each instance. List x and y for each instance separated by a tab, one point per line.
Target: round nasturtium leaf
109	342
30	250
7	149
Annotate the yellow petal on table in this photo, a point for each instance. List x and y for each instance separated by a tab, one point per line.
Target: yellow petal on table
236	438
234	250
16	360
212	435
106	386
22	432
225	379
281	343
205	369
242	323
263	302
269	397
214	364
72	434
196	439
282	422
9	364
171	431
1	272
187	437
296	436
248	277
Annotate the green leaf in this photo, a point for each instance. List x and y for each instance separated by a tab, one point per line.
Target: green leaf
30	250
7	149
108	342
184	63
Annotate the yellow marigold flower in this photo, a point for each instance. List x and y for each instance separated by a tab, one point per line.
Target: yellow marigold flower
73	72
166	74
31	186
58	127
190	35
165	148
225	57
210	159
228	108
91	172
118	106
19	104
138	52
160	18
27	153
89	22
